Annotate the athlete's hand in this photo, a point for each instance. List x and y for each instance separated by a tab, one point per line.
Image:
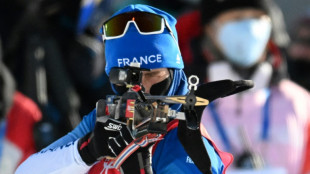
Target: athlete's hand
108	139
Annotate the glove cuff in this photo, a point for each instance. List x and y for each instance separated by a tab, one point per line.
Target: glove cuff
84	150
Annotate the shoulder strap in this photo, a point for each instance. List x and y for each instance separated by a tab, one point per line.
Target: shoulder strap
194	146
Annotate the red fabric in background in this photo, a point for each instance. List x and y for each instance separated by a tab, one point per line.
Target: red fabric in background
306	168
20	121
188	27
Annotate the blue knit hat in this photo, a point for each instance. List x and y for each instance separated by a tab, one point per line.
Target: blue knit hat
151	51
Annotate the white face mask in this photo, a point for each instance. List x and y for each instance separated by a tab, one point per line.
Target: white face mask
243	42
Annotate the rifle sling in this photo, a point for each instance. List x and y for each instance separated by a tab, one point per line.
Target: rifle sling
194	146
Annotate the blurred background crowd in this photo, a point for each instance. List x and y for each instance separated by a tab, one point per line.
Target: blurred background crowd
52	62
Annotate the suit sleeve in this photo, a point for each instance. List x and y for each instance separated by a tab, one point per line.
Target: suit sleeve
61	156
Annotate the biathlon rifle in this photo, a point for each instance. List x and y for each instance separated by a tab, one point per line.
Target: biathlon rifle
147	116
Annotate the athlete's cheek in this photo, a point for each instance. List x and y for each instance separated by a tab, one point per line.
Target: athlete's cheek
146	84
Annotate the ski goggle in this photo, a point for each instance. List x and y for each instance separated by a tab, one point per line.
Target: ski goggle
146	23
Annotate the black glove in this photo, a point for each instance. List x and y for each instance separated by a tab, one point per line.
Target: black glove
108	139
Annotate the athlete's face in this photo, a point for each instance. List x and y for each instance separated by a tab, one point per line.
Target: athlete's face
152	77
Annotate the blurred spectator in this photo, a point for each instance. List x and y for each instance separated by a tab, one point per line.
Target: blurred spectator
18	114
58	62
299	52
265	128
196	56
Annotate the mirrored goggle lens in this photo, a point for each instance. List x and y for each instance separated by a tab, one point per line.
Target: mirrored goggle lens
146	22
